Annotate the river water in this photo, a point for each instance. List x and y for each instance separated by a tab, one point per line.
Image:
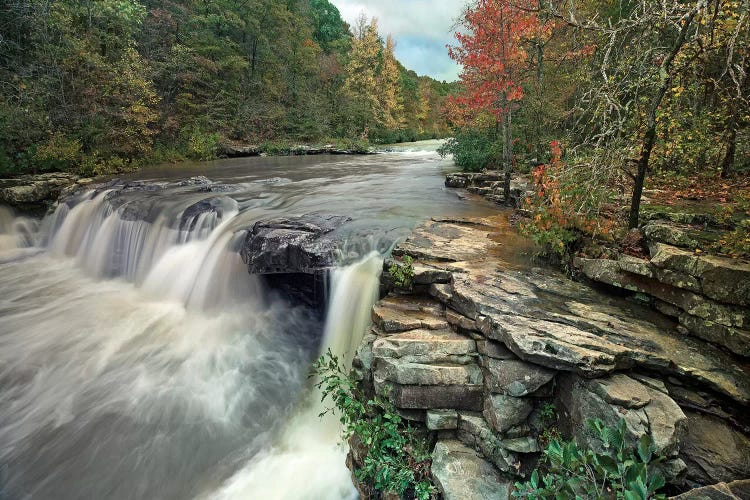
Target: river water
139	359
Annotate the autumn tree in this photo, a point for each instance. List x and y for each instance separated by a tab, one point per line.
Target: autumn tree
492	50
391	100
362	82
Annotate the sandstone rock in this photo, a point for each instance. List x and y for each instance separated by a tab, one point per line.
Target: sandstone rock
406	373
426	397
35	191
495	350
428	275
427	346
547	320
474	431
736	490
292	245
461	474
525	444
441	420
440	292
722	279
504	412
665	233
514	377
734	339
403	313
460	321
645	410
714	451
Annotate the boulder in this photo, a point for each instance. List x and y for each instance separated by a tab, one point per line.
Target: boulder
442	420
656	232
288	245
645	410
474	431
505	412
736	490
29	192
461	474
714	451
514	377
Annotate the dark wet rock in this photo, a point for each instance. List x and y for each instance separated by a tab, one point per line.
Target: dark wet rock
292	245
735	490
218	206
457	397
714	451
460	473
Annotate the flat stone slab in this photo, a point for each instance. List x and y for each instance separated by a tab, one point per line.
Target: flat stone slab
546	319
406	373
427	346
398	313
461	474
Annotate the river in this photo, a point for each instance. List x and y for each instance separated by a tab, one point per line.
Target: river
139	359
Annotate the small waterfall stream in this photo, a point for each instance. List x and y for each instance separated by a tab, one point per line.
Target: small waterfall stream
139	359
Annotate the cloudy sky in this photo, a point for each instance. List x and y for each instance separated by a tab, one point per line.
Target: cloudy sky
421	29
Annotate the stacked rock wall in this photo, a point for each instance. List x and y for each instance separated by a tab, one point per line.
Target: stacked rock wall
477	350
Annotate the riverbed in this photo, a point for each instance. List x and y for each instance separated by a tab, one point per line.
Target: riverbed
139	359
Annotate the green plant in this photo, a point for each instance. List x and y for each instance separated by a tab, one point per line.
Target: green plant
396	459
548	412
736	243
403	273
618	472
472	150
203	146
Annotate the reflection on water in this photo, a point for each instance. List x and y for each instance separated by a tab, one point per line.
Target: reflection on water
138	359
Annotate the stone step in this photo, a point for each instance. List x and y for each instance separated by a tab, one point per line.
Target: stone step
460	473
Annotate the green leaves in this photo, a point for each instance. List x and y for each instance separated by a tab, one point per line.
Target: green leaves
403	273
396	459
620	471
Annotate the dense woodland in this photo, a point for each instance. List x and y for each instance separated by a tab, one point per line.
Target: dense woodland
600	99
96	86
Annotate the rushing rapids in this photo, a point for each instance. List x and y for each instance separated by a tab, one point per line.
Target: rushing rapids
140	359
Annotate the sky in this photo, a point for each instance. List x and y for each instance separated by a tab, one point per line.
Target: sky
420	28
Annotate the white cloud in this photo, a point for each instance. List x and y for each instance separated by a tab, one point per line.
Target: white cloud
421	29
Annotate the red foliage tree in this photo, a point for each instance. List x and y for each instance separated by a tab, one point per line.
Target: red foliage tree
493	52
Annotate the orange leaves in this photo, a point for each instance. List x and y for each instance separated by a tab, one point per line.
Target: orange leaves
493	53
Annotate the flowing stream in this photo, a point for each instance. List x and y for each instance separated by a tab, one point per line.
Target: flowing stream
139	359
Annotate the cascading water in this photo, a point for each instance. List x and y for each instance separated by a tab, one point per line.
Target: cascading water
139	359
310	446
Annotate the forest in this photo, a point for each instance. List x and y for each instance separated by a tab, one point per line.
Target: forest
102	86
598	101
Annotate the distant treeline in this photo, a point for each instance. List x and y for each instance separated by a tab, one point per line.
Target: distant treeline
96	86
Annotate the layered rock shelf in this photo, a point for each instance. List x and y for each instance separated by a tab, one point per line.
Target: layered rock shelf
481	343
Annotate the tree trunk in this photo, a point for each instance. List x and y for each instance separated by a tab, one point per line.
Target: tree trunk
507	154
649	137
727	165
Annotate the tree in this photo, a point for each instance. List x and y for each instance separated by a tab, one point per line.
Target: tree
391	100
362	81
493	55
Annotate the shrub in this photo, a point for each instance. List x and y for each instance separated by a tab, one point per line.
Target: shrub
403	273
397	460
202	145
619	471
565	206
472	150
59	153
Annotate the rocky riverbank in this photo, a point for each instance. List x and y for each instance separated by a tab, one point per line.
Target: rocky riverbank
481	345
36	193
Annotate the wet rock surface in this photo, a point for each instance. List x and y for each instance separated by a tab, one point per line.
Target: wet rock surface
303	244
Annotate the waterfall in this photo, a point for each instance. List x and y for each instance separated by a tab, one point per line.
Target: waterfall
308	462
16	232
